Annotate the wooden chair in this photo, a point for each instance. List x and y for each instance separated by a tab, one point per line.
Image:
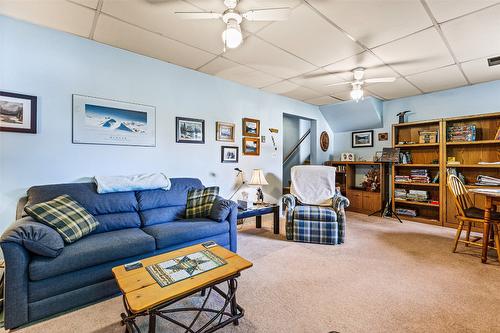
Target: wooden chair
468	214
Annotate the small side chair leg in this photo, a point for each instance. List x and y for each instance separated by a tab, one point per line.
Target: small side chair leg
457	236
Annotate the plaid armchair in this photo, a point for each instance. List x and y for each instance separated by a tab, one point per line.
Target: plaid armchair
316	224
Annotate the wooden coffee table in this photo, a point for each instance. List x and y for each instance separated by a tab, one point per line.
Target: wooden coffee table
143	296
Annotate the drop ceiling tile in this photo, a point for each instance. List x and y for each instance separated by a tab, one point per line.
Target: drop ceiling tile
474	36
319	80
291	90
119	34
438	79
324	100
375	22
420	52
267	58
310	37
444	10
396	89
232	71
374	67
478	71
160	17
87	3
60	15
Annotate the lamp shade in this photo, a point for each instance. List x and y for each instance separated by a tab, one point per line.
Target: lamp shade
258	178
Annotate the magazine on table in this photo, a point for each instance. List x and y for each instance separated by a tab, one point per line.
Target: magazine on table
184	267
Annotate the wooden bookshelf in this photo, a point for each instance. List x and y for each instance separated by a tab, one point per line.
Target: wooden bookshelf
425	155
362	201
469	153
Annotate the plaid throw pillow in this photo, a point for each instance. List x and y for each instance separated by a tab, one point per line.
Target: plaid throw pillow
200	202
66	216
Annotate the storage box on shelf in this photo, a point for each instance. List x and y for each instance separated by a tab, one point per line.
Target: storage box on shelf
418	176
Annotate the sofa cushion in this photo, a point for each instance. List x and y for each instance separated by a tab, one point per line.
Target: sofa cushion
158	206
34	236
171	233
199	202
314	213
221	209
65	215
114	211
93	250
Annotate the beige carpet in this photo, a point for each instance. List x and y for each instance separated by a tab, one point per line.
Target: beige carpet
387	277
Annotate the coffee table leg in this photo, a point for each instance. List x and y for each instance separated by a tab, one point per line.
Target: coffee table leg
152	322
234	309
258	221
276	220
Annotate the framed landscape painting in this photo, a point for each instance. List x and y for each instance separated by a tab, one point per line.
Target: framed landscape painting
362	139
189	130
224	131
17	113
251	146
110	122
229	154
251	127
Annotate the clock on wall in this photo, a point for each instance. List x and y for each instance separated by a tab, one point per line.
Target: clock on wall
324	141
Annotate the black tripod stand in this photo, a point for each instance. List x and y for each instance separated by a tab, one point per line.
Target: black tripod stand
386	210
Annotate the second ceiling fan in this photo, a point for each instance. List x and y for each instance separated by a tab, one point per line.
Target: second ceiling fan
232	36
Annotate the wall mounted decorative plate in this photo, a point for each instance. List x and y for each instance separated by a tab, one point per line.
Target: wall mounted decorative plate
324	141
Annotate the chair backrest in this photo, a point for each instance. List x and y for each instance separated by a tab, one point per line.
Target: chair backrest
313	184
460	194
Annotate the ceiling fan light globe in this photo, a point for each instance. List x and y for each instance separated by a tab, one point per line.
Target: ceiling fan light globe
357	94
232	36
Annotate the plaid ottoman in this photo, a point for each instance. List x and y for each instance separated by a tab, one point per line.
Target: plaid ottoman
314	224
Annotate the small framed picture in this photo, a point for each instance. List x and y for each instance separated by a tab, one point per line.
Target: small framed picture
229	154
383	136
17	113
224	131
251	127
189	130
251	146
347	157
362	139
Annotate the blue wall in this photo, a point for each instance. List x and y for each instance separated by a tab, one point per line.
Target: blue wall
469	100
54	65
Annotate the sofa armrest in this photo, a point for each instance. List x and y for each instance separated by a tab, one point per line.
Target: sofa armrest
339	203
16	259
35	237
289	202
233	228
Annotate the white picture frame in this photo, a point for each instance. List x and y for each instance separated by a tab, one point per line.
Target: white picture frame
110	122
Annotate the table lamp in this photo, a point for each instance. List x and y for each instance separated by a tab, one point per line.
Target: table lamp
259	180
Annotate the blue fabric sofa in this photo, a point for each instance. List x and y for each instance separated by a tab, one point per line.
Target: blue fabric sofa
132	225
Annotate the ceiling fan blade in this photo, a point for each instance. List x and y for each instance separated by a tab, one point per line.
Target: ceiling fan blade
269	14
380	79
198	15
338	84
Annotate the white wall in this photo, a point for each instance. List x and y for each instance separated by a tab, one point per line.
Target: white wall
53	65
469	100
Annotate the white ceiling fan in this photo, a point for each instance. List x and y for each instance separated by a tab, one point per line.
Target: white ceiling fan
357	85
232	36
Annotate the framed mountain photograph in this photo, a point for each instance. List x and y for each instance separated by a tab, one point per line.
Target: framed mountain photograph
224	131
251	146
251	127
362	139
229	154
17	113
189	130
109	122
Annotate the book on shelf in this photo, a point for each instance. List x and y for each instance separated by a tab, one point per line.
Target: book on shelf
417	195
407	212
461	133
487	181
